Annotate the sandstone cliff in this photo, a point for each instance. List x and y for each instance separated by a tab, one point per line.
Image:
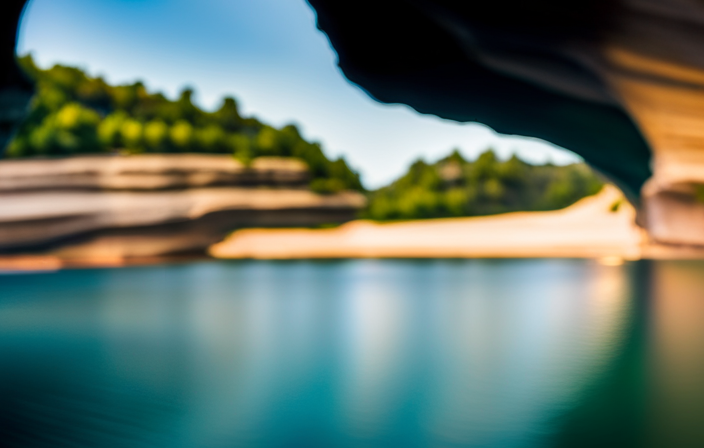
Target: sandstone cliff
147	205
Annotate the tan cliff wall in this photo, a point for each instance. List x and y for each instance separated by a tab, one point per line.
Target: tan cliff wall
148	172
151	205
654	68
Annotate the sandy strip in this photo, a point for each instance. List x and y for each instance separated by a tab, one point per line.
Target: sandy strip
587	229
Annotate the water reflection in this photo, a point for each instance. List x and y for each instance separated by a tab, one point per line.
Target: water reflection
372	353
677	354
377	338
519	350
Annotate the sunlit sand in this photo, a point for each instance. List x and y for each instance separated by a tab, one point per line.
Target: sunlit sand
602	226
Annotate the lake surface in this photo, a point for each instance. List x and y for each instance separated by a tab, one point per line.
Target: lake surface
513	353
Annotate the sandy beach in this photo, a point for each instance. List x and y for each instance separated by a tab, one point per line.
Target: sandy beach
591	228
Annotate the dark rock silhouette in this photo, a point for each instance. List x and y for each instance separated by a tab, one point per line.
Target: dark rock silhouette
15	89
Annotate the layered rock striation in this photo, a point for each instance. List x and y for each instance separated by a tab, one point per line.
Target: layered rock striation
153	205
149	172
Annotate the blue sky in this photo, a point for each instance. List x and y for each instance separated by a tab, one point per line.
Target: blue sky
270	56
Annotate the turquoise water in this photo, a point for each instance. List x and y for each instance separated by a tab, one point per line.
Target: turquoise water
514	353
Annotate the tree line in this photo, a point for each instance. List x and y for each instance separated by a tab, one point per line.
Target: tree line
73	113
454	187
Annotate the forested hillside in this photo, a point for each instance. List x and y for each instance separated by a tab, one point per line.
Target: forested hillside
74	113
456	187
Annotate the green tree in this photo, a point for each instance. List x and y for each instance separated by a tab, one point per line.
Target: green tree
110	130
228	116
241	147
181	135
210	139
156	136
132	133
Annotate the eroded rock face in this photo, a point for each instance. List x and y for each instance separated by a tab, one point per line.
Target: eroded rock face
655	67
620	82
148	172
140	206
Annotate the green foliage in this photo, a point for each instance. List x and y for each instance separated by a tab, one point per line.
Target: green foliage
456	187
73	113
181	135
156	136
71	129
